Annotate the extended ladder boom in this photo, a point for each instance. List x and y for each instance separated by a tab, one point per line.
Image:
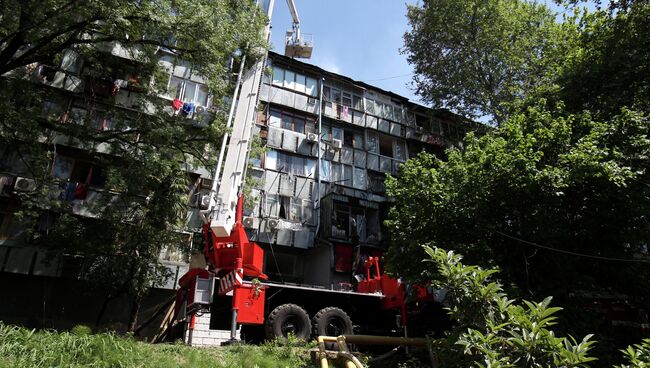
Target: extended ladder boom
228	183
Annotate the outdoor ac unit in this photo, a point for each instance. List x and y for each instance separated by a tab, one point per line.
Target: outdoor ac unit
311	100
419	129
312	137
248	222
273	223
205	201
200	109
24	184
337	144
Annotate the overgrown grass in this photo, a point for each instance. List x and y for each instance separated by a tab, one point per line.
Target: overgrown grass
20	347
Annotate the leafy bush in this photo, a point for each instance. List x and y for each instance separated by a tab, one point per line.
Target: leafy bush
494	331
638	355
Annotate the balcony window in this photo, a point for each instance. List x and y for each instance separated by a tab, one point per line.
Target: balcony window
346	99
296	123
357	102
294	81
188	91
311	86
290	164
372	142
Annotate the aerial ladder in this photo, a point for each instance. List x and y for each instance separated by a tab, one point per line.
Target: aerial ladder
229	253
235	264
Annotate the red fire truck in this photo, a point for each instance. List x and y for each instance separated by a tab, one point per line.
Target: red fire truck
376	303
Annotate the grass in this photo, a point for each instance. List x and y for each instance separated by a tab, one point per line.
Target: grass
20	347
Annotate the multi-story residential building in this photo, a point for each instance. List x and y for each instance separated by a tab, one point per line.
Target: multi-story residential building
102	97
316	213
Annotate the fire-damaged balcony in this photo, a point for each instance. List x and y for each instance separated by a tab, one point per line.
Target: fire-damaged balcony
350	220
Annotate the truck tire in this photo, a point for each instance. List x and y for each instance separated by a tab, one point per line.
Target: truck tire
331	321
288	319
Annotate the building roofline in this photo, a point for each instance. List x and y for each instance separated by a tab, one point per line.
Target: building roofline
364	85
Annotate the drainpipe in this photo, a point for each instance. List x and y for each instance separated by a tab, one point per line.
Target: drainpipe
320	122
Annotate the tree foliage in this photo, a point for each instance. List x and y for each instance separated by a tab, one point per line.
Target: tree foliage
144	154
557	195
474	56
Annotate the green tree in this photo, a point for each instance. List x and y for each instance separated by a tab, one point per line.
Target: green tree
142	156
609	66
476	56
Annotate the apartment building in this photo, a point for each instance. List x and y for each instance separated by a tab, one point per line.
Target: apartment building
318	213
104	97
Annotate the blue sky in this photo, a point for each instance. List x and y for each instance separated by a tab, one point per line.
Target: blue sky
356	38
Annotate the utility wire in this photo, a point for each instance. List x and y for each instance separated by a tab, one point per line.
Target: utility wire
393	77
602	258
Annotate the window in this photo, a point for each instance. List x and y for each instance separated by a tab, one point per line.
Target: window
310	87
295	81
188	91
278	76
358	141
400	150
357	102
326	93
300	83
372	142
347	175
325	170
290	164
370	106
385	146
289	80
77	171
337	133
360	178
281	119
348	138
335	95
346	99
272	205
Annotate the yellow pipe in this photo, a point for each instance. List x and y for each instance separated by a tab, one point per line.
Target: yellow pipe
352	361
322	354
384	340
343	350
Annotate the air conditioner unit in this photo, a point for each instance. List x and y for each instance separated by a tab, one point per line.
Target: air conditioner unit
205	201
311	100
200	109
337	144
24	184
272	223
248	222
312	137
419	129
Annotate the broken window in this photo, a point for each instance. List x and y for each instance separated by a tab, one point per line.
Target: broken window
348	138
284	207
385	146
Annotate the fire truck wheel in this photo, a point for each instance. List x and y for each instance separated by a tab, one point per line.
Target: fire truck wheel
331	321
288	319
